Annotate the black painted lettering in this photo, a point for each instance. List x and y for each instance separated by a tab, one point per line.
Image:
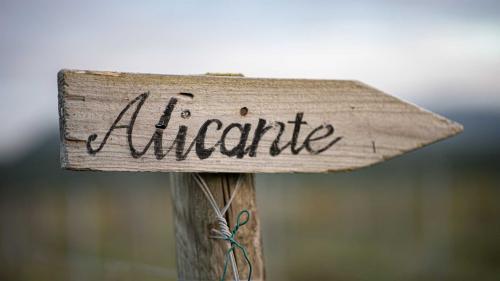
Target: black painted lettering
296	130
275	150
201	151
239	149
329	131
141	99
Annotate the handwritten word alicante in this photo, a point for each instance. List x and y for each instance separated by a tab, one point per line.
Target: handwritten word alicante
247	145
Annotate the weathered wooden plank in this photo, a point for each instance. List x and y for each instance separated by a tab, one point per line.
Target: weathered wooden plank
198	256
128	122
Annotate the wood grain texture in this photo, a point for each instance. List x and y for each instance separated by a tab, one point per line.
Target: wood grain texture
198	256
373	126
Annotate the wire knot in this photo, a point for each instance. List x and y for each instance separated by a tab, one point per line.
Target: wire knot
230	236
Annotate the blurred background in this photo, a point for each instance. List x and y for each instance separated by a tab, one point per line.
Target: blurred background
432	214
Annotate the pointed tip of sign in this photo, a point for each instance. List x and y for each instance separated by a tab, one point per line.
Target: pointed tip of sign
456	128
449	127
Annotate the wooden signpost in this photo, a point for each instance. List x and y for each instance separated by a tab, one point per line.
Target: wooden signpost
232	126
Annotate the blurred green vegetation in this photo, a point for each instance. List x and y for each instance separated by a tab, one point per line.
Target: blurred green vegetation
430	215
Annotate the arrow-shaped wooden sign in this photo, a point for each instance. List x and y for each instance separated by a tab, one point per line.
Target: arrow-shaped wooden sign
141	122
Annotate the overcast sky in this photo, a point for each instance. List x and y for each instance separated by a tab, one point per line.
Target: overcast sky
439	54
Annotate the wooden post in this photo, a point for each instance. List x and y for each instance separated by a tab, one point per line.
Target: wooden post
201	258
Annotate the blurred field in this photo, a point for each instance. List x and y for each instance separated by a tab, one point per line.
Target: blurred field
430	215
